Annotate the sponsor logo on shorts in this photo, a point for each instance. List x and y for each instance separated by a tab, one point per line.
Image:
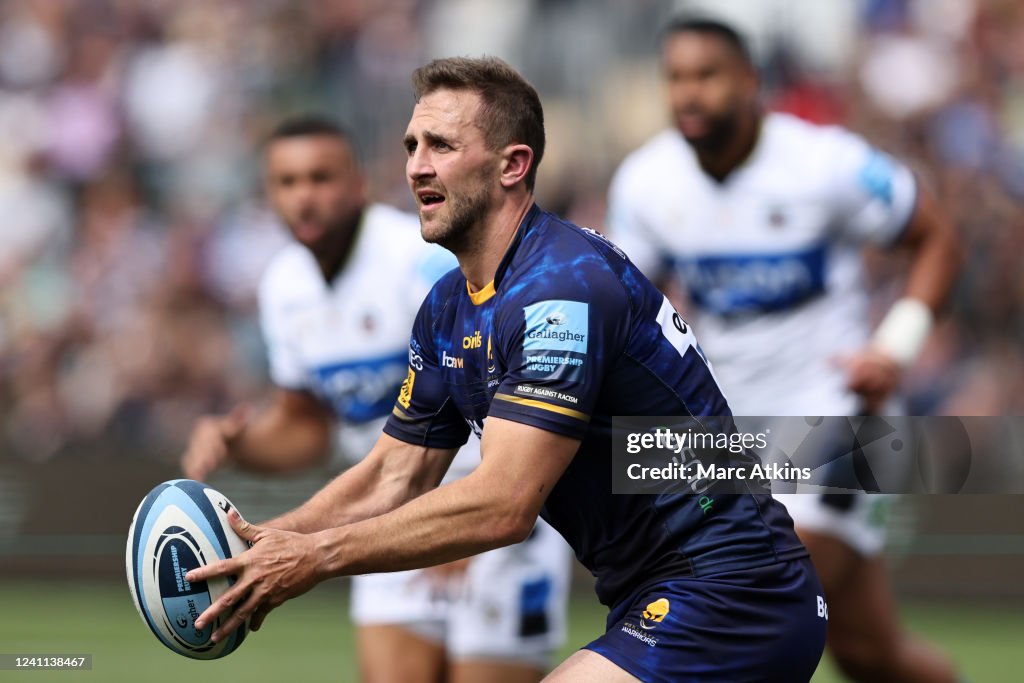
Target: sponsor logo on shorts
822	608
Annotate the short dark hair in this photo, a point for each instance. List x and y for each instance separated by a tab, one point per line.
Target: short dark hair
706	25
510	107
309	124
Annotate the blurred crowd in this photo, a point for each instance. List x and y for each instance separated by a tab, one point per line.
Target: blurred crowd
133	231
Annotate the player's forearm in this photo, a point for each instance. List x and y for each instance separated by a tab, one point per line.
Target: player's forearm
272	442
934	271
356	494
937	256
457	520
392	474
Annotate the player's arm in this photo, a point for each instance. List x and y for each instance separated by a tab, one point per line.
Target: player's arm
496	505
935	257
393	473
293	432
935	253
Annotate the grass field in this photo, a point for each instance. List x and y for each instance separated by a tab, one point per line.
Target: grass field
308	639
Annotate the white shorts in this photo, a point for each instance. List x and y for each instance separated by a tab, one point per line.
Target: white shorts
856	519
510	606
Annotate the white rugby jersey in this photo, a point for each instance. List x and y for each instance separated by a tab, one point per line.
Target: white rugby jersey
347	341
770	257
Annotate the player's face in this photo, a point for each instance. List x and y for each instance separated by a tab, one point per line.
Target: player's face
450	169
315	186
709	87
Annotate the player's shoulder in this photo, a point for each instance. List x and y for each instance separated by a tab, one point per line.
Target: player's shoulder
560	256
387	218
448	287
386	229
666	152
784	133
556	239
292	269
395	244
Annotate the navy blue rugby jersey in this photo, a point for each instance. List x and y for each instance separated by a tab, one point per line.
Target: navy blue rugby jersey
569	334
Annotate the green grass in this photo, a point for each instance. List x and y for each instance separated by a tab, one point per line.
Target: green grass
309	639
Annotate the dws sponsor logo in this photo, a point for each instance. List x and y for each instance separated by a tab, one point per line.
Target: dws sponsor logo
743	283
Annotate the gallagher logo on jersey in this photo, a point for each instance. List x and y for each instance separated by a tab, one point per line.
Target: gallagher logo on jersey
555	341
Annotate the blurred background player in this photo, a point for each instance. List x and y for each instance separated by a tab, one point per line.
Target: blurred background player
760	219
335	308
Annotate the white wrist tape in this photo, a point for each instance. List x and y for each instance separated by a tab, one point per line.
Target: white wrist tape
904	330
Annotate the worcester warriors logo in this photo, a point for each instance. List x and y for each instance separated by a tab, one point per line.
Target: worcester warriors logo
654	614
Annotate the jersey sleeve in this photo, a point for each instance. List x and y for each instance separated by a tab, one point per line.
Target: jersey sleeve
876	194
558	343
286	369
628	226
425	413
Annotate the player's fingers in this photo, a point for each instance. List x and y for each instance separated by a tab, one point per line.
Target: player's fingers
237	618
258	616
235	421
219	568
246	531
206	450
231	597
197	464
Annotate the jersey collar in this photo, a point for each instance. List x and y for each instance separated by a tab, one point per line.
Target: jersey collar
491	288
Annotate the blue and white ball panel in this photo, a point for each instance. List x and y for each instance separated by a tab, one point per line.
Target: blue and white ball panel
179	526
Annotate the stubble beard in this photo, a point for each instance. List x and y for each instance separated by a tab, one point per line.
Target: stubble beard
460	230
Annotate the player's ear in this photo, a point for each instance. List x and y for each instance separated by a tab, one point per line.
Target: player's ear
516	162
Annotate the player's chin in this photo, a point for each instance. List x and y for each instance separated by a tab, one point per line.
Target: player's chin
432	229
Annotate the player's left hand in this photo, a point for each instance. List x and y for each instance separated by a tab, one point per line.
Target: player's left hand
873	375
279	566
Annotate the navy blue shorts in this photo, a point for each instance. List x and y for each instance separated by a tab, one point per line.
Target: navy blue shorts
764	625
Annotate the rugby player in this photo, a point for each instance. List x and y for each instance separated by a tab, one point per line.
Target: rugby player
760	218
336	306
544	333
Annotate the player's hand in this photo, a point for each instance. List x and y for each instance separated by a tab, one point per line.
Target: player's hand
872	375
279	566
209	445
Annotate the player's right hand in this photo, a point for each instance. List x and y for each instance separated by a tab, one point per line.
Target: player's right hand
210	442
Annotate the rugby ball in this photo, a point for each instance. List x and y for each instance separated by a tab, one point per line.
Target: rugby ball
182	524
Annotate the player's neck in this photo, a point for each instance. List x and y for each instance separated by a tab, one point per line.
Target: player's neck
720	162
480	263
332	258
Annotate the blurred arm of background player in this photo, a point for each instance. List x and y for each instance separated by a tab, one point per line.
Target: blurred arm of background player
935	252
293	432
